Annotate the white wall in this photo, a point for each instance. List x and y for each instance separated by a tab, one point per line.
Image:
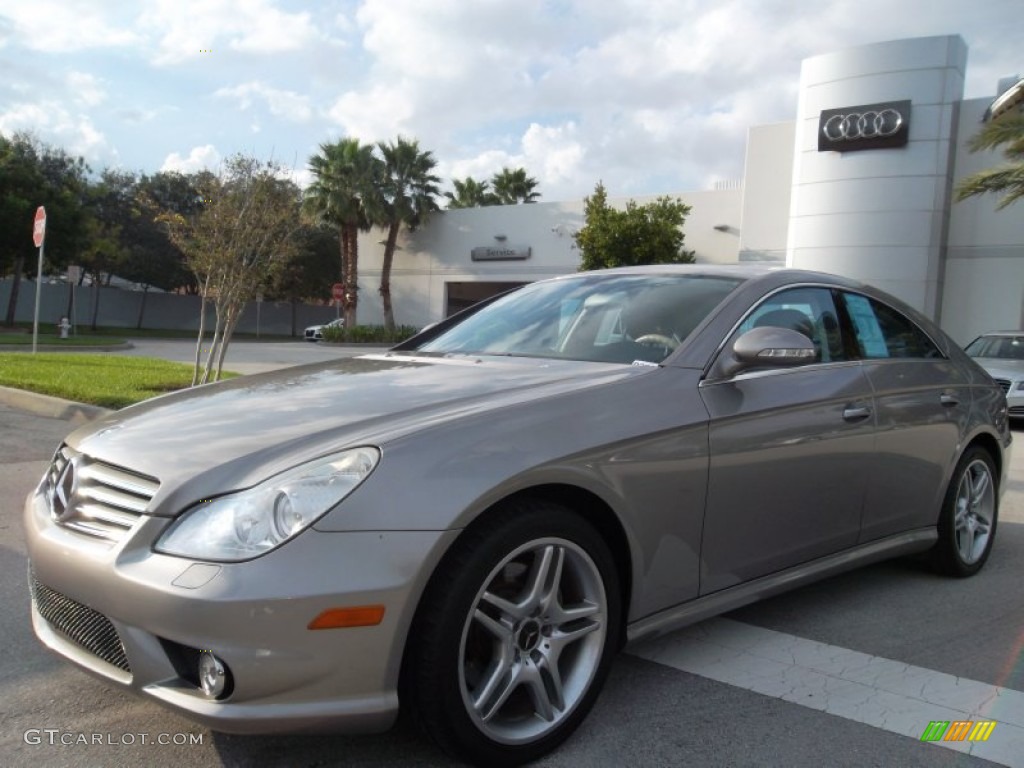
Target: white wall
767	184
439	252
984	286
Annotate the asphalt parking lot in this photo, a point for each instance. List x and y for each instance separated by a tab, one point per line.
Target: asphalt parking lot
844	672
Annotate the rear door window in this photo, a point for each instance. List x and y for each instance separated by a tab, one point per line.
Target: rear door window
883	332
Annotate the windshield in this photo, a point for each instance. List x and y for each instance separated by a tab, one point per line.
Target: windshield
1003	347
600	318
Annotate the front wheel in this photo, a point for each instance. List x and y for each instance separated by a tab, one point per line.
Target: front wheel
515	635
967	523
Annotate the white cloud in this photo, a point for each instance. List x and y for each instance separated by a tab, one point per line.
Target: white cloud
382	112
185	29
63	26
87	90
199	158
554	152
55	124
303	177
286	104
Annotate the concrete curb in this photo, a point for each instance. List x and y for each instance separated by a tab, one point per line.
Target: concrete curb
54	407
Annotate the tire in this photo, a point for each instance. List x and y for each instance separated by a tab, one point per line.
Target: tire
970	510
515	634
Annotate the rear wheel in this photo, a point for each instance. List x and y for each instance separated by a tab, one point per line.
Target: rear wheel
515	635
967	524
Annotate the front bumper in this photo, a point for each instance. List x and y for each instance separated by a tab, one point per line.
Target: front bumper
1015	400
253	615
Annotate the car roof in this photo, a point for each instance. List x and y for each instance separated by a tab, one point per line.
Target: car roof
770	275
1001	333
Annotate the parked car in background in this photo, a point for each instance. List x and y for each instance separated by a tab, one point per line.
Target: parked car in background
316	332
473	523
1001	353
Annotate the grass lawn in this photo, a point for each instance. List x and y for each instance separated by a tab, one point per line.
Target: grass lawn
84	331
53	340
112	381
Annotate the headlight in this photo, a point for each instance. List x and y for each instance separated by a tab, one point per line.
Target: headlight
249	523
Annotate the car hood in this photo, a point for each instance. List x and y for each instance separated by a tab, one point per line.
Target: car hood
235	434
1001	368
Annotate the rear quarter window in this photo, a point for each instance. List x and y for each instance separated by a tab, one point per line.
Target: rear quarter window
883	332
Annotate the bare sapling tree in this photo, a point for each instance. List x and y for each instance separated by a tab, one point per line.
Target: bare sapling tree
236	245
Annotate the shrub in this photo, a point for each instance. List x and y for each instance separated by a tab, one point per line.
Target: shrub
369	334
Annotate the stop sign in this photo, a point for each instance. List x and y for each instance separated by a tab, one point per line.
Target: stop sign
39	227
338	291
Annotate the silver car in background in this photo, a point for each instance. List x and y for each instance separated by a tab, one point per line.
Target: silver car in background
473	523
316	332
1001	354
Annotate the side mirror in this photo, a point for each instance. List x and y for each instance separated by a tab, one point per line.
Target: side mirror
767	347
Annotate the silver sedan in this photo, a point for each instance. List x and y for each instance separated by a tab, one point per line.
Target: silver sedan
1001	353
471	524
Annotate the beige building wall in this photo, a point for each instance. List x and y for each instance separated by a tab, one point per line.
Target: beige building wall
767	183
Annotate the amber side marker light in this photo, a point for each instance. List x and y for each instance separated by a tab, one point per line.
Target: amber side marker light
358	616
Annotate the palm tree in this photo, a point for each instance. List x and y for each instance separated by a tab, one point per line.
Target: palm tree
1007	130
405	192
344	173
514	186
471	193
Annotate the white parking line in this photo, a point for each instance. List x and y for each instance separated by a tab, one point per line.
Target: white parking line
887	694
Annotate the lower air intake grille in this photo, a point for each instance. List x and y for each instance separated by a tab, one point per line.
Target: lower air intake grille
80	624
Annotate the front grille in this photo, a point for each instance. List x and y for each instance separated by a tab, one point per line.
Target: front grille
95	498
80	624
1004	383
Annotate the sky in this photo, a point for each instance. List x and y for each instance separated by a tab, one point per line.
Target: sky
648	96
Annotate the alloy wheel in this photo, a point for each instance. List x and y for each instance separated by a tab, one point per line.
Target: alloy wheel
533	640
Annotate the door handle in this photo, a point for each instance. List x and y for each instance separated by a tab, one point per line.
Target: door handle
856	412
949	400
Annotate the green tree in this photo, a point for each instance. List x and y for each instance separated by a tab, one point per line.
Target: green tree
109	207
343	177
237	245
302	279
159	261
34	174
405	193
1006	131
470	193
21	184
640	234
513	186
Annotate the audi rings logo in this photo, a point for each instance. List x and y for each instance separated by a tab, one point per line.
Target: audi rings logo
869	126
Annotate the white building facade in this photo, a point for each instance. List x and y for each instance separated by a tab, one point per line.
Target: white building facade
860	184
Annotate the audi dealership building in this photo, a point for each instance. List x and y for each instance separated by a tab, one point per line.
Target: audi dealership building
860	183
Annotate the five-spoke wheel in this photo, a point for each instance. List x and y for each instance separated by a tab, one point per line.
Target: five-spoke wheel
533	640
967	524
515	634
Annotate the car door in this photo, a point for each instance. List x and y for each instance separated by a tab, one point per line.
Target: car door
922	403
788	450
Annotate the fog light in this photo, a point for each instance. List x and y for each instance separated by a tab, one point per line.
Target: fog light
213	675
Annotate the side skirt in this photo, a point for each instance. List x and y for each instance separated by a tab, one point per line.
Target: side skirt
743	594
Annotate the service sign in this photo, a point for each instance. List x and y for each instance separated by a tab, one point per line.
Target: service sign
500	253
868	126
